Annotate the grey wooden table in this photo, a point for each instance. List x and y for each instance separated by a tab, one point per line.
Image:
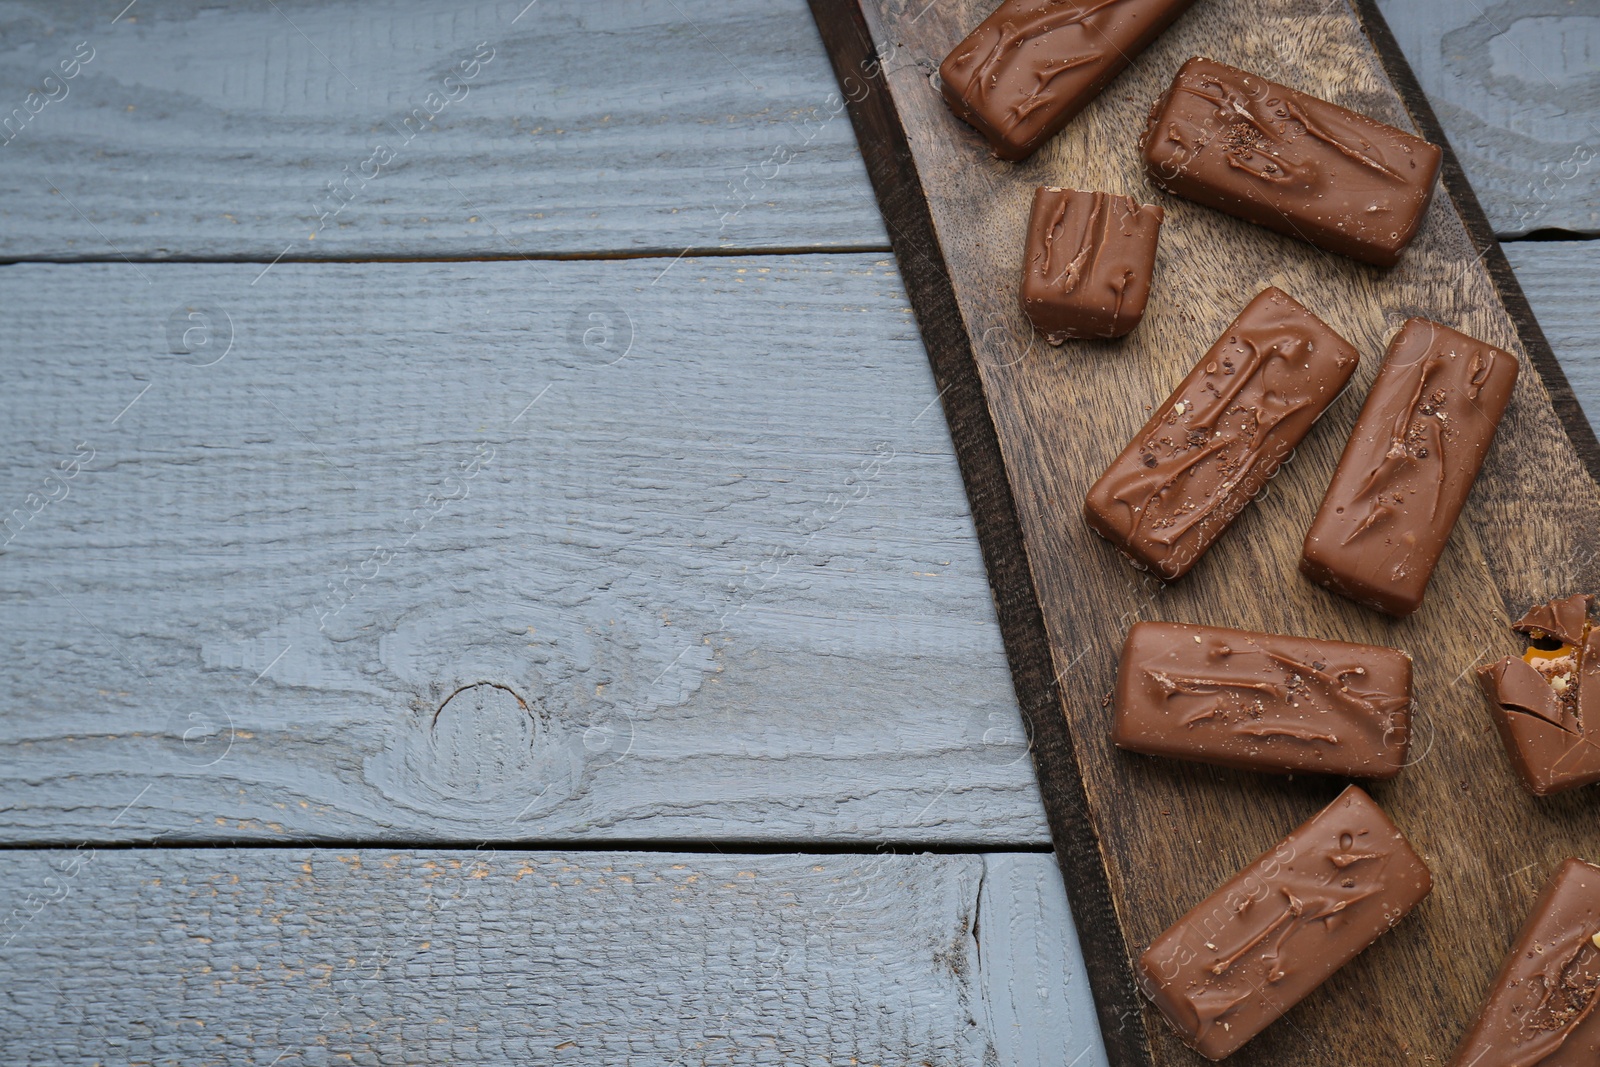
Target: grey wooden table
485	576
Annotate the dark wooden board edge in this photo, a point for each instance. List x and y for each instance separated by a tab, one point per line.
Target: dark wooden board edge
892	169
1568	410
893	172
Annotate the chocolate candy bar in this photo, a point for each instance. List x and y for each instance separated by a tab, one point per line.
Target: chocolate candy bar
1544	1008
1546	704
1408	467
1263	702
1224	431
1257	946
1086	269
1290	162
1034	64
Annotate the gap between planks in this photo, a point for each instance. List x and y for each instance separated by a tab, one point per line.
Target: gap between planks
640	845
603	255
1550	235
495	257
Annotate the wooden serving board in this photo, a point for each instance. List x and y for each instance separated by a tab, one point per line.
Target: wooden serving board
1141	840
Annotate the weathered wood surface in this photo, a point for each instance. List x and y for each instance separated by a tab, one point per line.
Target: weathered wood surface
1168	832
1516	84
202	131
237	124
444	552
197	131
1562	280
271	956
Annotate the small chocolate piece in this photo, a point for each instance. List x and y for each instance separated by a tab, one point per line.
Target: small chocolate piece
1224	431
1565	620
1546	704
1263	702
1086	269
1410	462
1290	162
1257	946
1544	1007
1034	64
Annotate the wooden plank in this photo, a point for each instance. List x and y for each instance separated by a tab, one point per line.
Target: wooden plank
199	131
1026	943
456	552
269	956
195	131
1165	834
1562	280
1514	84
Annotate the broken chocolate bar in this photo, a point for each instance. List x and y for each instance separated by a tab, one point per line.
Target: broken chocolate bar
1546	704
1410	462
1544	1007
1279	928
1268	154
1087	265
1225	430
1263	702
1034	64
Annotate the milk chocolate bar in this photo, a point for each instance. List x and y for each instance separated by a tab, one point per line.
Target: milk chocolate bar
1087	265
1034	64
1408	467
1544	1007
1546	704
1257	946
1263	702
1224	431
1234	141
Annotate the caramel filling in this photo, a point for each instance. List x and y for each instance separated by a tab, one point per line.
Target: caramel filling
1541	658
1559	663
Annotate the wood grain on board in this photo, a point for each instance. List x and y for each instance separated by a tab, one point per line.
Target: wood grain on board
1516	85
1168	833
442	552
312	957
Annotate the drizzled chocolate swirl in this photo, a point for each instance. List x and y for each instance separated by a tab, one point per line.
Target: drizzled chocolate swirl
1087	265
1224	431
1266	702
1027	69
1408	467
1544	1007
1251	950
1288	161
